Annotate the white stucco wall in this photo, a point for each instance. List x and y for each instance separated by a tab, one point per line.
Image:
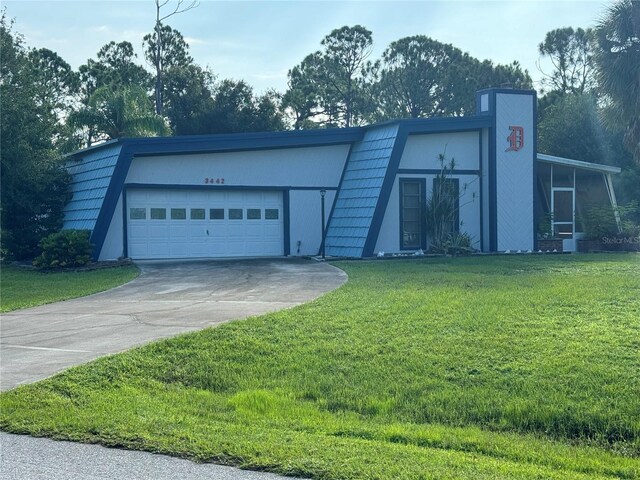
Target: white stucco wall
311	166
306	214
486	247
514	172
113	247
422	151
389	238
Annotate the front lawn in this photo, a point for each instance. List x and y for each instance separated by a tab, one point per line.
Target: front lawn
22	288
472	368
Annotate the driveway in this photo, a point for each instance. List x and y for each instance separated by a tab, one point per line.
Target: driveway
168	298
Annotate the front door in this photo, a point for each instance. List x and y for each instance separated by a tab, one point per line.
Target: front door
563	208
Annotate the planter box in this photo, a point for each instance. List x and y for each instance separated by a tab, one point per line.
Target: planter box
550	244
586	246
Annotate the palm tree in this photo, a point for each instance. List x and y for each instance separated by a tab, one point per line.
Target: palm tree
618	67
125	112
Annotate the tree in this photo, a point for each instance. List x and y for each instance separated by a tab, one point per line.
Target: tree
187	97
34	185
618	68
125	112
235	109
165	46
329	86
115	67
305	93
571	54
571	128
57	82
420	77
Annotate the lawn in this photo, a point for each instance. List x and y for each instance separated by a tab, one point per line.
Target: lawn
22	288
471	368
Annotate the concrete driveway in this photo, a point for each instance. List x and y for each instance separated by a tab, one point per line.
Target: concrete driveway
168	298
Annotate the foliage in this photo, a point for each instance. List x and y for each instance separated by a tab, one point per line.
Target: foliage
329	86
598	221
545	228
25	288
618	68
470	368
164	49
115	67
63	249
421	77
571	128
187	97
442	212
125	112
454	243
571	54
34	183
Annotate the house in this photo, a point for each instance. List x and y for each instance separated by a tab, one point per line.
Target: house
264	194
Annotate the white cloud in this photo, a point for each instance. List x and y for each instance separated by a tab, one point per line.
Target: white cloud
195	41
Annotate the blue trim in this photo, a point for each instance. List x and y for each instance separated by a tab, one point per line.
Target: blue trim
444	125
437	124
286	208
493	192
536	218
423	220
435	171
199	186
234	141
385	191
480	190
110	201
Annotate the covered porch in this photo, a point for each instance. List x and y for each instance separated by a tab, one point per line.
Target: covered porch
566	189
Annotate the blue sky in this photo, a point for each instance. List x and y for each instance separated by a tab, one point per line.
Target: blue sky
260	40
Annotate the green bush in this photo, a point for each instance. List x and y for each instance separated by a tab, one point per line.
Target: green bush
67	248
457	243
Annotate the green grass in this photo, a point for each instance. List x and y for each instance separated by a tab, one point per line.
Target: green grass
472	368
22	288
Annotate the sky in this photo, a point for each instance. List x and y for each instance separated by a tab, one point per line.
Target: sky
259	41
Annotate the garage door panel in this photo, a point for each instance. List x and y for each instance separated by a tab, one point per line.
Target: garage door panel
184	233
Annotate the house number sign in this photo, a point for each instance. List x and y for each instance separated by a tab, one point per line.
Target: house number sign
214	181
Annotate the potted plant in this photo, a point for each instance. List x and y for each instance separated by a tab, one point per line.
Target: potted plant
546	240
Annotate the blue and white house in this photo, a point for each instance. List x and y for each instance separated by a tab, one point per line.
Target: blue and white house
261	194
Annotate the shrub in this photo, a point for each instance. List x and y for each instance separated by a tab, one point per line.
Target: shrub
67	248
457	243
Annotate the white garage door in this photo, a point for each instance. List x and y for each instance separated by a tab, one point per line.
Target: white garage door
197	224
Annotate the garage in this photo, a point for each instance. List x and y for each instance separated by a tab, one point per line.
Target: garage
189	223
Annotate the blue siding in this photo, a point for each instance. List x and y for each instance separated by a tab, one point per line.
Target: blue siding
359	192
91	177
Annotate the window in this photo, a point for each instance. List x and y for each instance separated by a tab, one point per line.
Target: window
158	214
412	214
137	213
197	214
253	214
448	191
271	214
178	214
216	213
235	214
